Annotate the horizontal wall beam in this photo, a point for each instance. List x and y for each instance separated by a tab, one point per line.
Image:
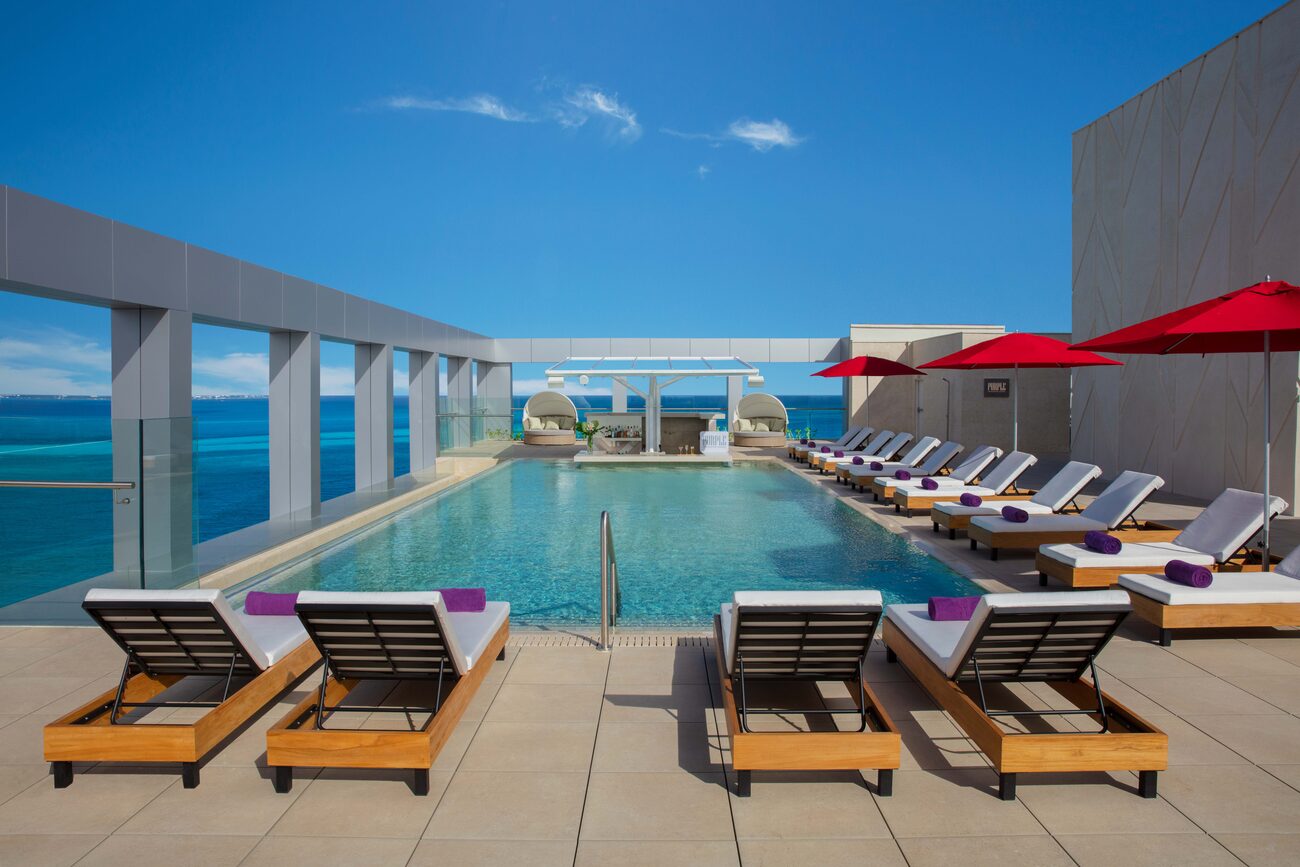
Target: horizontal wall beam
756	350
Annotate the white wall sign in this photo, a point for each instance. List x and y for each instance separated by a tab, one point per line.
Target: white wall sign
713	442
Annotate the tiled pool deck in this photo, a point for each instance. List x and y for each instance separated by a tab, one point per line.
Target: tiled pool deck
571	756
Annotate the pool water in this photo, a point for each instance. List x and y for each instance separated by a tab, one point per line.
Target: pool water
686	539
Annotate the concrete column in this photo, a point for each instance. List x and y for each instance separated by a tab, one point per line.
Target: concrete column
153	444
460	398
295	423
735	388
619	392
495	383
423	372
374	414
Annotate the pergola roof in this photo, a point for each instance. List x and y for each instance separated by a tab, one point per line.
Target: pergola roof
653	365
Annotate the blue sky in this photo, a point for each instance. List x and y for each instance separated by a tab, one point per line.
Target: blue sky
581	169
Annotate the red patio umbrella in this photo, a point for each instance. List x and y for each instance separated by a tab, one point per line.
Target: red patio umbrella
1263	318
869	365
1015	351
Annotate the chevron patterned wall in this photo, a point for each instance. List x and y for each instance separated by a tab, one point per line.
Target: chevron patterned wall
1188	190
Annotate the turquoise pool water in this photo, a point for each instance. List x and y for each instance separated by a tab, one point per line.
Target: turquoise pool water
686	539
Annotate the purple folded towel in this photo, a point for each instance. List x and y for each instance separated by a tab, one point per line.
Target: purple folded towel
270	604
1014	515
877	465
857	460
811	445
826	450
464	598
929	484
902	475
839	454
1188	573
952	607
971	500
804	441
1102	543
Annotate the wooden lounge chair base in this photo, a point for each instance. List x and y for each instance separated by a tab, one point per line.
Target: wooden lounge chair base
1131	744
295	741
1167	618
87	734
879	748
1148	531
914	504
1092	576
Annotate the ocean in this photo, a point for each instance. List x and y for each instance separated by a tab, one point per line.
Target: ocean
51	538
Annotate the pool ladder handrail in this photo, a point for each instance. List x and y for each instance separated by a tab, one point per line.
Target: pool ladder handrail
610	598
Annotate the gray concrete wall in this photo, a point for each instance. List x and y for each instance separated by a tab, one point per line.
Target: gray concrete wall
1188	190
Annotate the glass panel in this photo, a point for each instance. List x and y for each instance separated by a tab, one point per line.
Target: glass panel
167	501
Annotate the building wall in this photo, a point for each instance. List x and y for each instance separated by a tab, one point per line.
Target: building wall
1188	190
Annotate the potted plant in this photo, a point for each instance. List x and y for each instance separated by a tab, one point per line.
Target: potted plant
589	429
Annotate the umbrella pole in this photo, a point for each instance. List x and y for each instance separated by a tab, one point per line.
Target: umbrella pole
1268	442
1015	407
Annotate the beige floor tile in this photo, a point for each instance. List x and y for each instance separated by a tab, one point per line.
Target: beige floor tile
527	746
205	850
23	740
52	850
629	665
1124	658
1289	774
823	853
1232	799
935	743
1229	658
652	853
985	852
76	661
669	806
1274	738
510	806
549	703
656	703
227	801
453	751
16	778
6	719
953	803
656	747
316	852
93	804
1280	691
1264	850
1284	644
17	658
1095	802
27	694
1145	850
558	665
905	701
794	805
349	803
493	853
1188	745
1186	696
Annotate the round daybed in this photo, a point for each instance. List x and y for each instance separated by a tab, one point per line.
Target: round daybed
549	418
760	421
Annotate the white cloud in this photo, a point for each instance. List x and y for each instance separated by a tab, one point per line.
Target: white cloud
703	171
236	372
530	387
480	103
56	344
48	380
586	102
54	361
760	135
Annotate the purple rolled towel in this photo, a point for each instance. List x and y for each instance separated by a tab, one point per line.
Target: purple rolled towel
270	604
826	450
804	441
839	454
952	607
929	484
857	460
877	465
1014	515
971	500
464	598
1102	543
811	445
902	475
1188	573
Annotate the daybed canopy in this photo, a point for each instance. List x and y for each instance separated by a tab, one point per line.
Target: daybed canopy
760	421
549	419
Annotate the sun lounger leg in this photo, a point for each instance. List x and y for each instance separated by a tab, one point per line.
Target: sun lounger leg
974	546
993	553
1042	579
420	781
890	656
283	780
1166	637
884	782
1007	787
62	774
1147	784
952	534
742	784
190	774
501	655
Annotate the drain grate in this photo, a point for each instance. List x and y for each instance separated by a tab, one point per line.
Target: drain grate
630	639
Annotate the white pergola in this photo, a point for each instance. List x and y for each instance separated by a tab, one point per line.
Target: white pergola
661	371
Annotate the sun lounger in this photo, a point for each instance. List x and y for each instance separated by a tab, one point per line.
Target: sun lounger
763	638
1216	538
1233	600
861	475
1055	496
1113	506
853	435
807	455
1028	638
394	637
915	455
872	443
912	495
168	636
888	452
965	473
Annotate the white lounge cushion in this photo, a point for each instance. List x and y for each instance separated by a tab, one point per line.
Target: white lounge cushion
858	600
1138	555
475	629
935	638
909	490
1228	523
266	643
1066	485
1009	469
864	470
956	508
1122	497
1228	588
939	458
1038	524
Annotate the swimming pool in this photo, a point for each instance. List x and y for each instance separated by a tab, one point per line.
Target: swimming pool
686	539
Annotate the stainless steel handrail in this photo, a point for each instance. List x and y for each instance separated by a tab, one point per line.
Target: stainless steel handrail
609	595
24	483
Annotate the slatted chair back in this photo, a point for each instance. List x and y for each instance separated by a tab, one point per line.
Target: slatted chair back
891	449
940	458
1038	644
377	641
795	643
176	637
